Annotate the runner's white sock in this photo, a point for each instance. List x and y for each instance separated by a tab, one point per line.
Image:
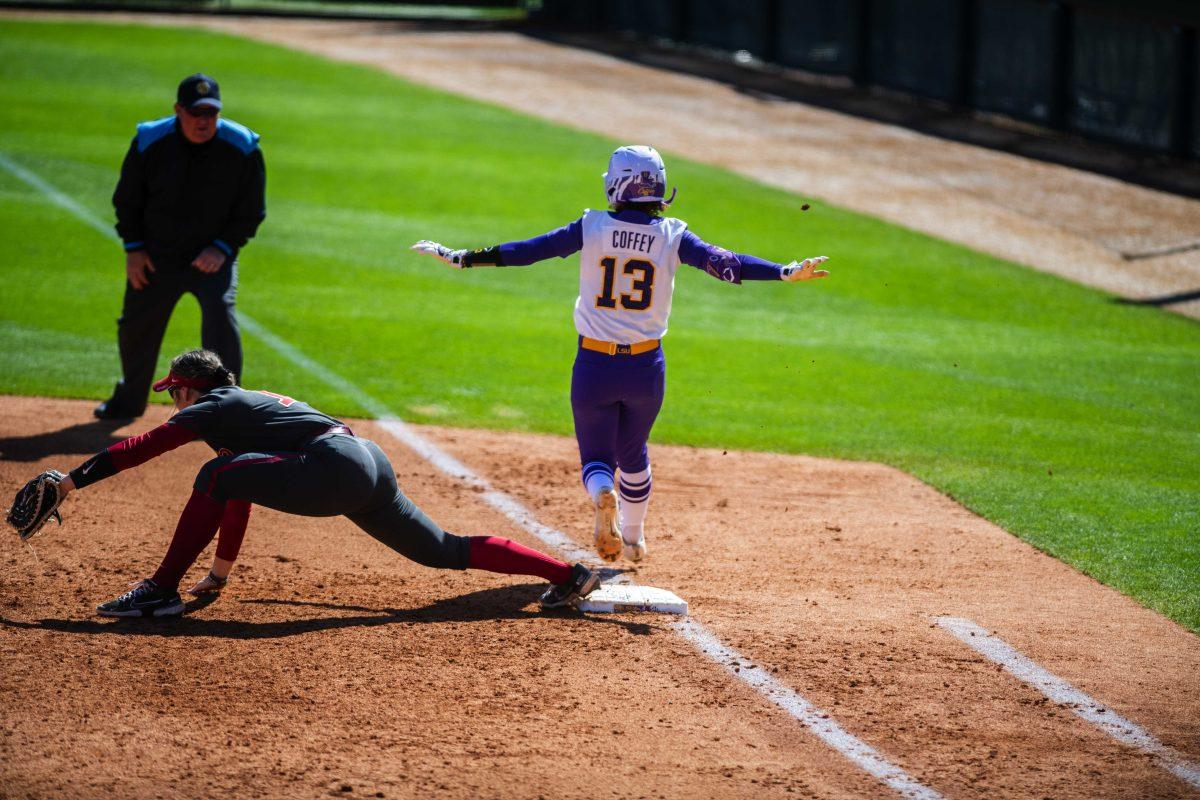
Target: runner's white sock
597	476
634	488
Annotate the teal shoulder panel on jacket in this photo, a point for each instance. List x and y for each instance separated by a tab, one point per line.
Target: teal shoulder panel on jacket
150	132
237	135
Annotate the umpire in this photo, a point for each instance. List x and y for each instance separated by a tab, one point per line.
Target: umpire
189	198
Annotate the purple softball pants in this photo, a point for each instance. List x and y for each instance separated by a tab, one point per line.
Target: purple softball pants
615	400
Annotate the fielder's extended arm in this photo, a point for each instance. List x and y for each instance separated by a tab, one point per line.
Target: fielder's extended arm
137	450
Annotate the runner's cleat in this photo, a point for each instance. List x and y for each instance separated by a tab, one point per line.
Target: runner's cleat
608	530
634	552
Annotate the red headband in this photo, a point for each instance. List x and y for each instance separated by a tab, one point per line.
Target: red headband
178	380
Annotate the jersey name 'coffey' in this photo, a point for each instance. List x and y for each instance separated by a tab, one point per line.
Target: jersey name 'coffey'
626	277
632	240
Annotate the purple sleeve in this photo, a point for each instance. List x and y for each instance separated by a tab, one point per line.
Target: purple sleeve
725	265
560	242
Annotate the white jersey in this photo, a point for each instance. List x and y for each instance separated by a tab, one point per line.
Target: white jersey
626	277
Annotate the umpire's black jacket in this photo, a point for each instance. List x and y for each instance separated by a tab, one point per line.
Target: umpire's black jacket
175	198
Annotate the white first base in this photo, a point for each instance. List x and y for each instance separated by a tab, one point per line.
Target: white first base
612	598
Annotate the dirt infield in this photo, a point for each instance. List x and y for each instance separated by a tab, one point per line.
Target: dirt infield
331	667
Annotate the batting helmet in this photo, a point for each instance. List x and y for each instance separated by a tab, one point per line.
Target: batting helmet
636	174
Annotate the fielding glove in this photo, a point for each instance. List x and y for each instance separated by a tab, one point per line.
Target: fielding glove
36	503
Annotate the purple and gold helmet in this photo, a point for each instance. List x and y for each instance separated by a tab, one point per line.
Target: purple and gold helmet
636	174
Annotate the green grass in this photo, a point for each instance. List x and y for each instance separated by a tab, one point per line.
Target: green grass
1072	421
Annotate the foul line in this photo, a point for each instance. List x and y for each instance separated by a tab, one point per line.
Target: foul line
1080	703
818	722
58	198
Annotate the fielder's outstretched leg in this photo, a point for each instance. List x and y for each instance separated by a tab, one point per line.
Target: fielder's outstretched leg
407	530
394	520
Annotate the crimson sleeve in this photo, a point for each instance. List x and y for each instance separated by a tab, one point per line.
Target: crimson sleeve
233	529
131	452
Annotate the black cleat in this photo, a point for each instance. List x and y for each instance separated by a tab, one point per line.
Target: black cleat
143	600
582	583
110	410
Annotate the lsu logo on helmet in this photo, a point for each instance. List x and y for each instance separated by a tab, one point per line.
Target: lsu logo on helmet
636	174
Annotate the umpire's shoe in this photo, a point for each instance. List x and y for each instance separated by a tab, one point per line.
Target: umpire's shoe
110	410
582	583
144	600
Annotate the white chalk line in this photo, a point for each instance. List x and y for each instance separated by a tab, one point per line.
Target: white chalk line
1060	691
58	198
818	722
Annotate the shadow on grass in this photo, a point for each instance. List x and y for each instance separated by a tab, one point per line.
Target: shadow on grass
1162	301
85	438
504	602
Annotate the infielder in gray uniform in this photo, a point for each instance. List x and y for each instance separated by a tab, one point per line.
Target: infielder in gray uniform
284	454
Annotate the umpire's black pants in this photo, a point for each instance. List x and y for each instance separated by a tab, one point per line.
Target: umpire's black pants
331	476
146	312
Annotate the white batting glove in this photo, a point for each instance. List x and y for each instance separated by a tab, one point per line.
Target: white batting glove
805	270
442	253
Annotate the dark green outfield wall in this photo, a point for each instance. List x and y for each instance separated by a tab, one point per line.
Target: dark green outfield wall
1122	72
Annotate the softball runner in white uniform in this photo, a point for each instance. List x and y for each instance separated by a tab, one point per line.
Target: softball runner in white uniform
628	259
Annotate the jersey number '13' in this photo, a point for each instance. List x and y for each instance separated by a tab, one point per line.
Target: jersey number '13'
641	288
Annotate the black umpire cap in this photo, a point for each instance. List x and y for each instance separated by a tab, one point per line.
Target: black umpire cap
198	90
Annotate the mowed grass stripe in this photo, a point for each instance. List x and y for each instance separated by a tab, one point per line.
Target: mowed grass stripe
1066	418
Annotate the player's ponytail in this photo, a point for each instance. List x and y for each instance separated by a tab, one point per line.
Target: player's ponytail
205	366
